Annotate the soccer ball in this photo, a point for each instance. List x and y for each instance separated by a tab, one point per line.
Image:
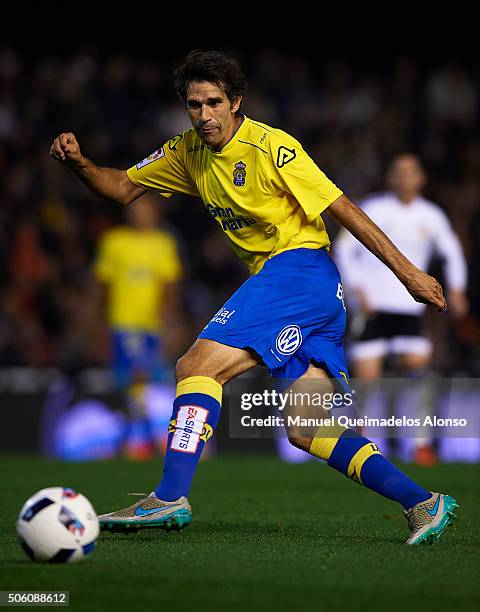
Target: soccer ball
58	525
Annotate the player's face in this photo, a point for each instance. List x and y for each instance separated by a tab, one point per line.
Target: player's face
211	113
406	175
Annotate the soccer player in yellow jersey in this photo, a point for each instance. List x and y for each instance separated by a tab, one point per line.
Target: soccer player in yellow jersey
139	265
267	195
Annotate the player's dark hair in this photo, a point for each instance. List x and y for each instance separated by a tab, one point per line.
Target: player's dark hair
215	67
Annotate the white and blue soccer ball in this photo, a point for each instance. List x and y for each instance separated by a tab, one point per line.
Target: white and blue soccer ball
57	525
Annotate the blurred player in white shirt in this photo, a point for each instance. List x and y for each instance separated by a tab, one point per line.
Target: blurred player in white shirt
391	321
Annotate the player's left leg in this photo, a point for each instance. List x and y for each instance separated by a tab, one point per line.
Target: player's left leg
349	452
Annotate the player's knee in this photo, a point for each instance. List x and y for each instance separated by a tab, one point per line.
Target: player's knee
184	368
189	365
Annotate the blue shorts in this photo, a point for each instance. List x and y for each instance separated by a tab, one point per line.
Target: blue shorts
135	353
291	314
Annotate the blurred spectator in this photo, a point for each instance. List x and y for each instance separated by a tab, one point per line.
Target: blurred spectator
388	322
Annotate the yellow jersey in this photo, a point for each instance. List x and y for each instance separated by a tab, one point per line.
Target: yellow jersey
135	266
262	188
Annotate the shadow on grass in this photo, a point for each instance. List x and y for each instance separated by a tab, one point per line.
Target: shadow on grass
289	533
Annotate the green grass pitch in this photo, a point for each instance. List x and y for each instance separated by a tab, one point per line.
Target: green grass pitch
265	536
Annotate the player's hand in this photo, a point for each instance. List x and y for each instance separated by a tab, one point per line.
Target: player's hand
66	149
425	289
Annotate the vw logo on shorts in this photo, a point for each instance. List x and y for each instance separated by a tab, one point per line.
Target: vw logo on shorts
289	339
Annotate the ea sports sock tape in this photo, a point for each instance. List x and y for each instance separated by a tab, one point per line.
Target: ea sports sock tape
195	415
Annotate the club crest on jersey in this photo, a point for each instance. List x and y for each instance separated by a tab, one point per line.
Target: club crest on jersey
239	174
151	158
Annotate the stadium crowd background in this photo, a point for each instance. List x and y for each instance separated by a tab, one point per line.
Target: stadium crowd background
350	118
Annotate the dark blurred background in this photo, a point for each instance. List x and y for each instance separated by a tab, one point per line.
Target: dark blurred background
355	89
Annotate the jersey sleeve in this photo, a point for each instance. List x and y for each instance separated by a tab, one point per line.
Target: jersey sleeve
164	170
296	173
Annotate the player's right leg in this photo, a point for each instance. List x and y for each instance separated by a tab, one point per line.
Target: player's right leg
196	410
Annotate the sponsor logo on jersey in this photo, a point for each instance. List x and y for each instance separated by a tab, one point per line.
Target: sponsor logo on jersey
189	428
159	153
285	156
222	316
227	219
236	223
289	339
239	174
218	211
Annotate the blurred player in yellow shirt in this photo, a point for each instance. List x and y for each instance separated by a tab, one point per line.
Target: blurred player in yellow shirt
140	267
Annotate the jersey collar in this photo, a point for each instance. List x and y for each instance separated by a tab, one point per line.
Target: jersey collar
233	139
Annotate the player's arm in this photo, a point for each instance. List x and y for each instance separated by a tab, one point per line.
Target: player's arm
107	182
421	286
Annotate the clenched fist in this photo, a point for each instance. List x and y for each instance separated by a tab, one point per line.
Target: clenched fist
66	149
